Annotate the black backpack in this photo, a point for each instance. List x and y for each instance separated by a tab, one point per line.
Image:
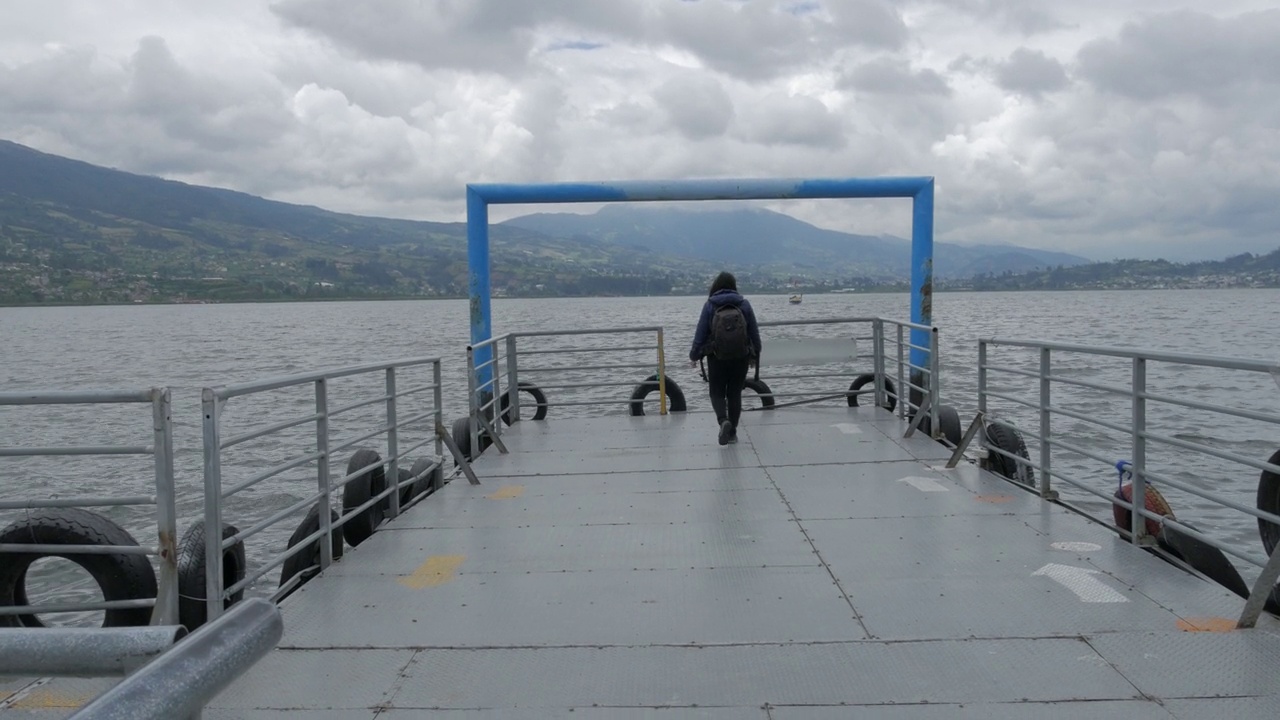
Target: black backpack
729	340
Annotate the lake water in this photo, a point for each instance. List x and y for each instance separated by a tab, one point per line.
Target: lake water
187	347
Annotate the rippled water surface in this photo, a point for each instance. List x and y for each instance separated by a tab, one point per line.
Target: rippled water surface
187	347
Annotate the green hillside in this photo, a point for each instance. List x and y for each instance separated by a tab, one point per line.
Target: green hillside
71	232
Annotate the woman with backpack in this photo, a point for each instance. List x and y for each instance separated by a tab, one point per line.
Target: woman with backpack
729	338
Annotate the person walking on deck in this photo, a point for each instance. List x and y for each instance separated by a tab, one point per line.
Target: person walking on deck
729	338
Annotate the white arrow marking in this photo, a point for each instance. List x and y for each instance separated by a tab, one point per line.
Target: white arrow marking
848	428
1082	582
924	484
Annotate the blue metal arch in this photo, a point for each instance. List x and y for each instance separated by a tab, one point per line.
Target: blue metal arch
919	189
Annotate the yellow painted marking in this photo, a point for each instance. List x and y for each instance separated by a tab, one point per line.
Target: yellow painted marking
1207	624
437	570
506	492
49	699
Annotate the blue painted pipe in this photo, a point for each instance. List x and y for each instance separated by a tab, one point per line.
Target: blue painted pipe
919	189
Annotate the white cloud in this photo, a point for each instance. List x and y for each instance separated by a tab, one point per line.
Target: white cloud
1090	126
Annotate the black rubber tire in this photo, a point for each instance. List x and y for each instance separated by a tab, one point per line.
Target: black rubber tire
461	433
435	478
1010	441
311	556
539	399
358	491
650	384
406	491
762	390
1204	557
120	577
949	419
891	394
192	608
1269	501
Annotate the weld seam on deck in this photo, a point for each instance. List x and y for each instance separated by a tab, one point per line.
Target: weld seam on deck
1119	672
703	646
401	677
835	580
760	466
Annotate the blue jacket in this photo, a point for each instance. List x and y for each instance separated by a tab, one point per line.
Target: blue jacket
703	333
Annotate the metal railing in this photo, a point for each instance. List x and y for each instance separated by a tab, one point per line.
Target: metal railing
488	399
316	425
897	380
165	604
1139	418
181	681
495	384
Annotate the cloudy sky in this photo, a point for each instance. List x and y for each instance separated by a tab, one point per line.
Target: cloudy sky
1102	127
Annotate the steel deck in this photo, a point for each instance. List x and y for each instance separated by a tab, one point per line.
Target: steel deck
631	567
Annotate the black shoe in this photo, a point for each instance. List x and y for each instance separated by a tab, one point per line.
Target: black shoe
733	437
726	429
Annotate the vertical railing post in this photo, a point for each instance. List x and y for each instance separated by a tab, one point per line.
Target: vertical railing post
213	590
935	385
513	381
982	377
322	471
1138	525
495	391
438	398
902	388
166	607
473	416
662	376
877	362
1045	421
393	442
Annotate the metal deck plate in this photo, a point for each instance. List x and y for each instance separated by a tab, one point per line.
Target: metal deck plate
631	567
892	489
730	605
510	506
332	679
1129	709
741	542
748	676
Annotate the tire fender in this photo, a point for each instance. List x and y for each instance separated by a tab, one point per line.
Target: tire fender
1204	557
119	577
650	384
309	557
539	400
1010	441
193	609
761	389
891	394
949	421
358	491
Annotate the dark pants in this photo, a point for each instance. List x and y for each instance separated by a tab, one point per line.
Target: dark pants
726	378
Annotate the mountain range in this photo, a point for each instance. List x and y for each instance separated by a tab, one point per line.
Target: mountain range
765	240
72	232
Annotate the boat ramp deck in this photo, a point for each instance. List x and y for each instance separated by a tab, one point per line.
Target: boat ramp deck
822	567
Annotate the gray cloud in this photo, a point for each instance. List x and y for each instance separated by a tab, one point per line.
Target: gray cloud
1158	129
887	76
1031	72
793	120
1020	16
1186	52
697	105
745	39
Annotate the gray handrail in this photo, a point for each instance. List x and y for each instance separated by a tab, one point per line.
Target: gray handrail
179	683
83	652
